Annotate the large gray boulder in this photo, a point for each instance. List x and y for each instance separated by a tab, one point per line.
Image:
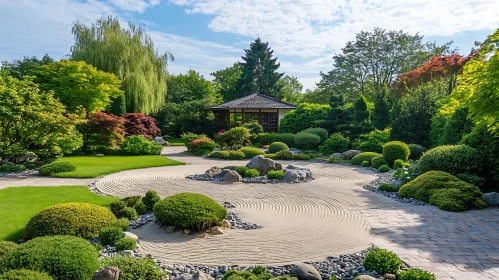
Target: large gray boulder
161	141
306	272
348	155
297	174
336	155
110	273
492	198
232	177
264	165
27	157
213	172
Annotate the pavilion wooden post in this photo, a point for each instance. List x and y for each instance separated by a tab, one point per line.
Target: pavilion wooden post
260	116
277	120
242	116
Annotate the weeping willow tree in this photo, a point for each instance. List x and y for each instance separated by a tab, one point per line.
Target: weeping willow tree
129	53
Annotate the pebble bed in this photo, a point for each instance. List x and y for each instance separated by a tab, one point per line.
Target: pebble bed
257	180
235	221
387	178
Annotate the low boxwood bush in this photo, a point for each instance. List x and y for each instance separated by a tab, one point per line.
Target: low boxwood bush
140	208
398	163
116	206
110	235
284	155
268	138
150	199
396	150
367	156
235	138
250	152
383	261
127	212
451	159
241	170
5	247
202	152
132	201
472	179
275	174
236	155
78	219
132	268
122	223
301	157
125	244
247	275
12	168
415	274
140	145
252	173
56	167
24	274
62	257
337	143
416	151
372	141
277	147
308	141
443	190
384	168
219	154
189	210
387	188
271	156
365	163
321	132
377	162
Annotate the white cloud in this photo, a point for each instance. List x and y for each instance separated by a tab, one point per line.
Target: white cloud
138	6
313	27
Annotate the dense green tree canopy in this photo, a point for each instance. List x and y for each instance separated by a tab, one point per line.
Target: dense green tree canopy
227	81
259	70
291	89
303	117
189	87
130	54
34	120
78	84
20	68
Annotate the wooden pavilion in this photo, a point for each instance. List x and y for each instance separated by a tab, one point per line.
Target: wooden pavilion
267	110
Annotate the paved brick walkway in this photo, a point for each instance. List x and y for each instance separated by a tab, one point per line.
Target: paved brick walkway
451	245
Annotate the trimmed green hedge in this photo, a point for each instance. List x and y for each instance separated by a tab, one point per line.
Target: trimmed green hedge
62	257
250	152
321	132
396	150
189	210
234	155
277	147
5	247
24	274
452	159
132	268
416	151
77	219
269	138
445	191
56	167
367	156
309	141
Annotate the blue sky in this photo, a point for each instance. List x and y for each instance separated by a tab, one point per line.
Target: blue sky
207	35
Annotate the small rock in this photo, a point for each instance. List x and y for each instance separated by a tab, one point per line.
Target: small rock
306	272
110	273
130	235
226	224
349	154
99	155
223	269
232	177
127	252
365	277
389	276
187	231
170	229
199	275
336	155
213	172
216	230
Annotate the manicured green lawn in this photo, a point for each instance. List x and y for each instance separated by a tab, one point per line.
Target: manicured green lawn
19	204
92	166
175	141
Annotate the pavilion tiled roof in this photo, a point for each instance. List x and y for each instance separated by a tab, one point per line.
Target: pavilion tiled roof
254	101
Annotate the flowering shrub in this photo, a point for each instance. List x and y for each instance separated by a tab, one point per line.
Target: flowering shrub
201	144
407	173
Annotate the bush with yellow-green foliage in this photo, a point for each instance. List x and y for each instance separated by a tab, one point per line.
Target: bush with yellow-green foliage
5	247
277	147
396	150
377	162
415	274
77	219
452	159
132	268
250	152
24	274
367	156
383	261
445	191
189	210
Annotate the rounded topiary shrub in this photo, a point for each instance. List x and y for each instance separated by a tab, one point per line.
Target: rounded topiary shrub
277	147
337	143
132	268
276	174
415	274
416	151
367	156
250	152
109	235
189	210
140	145
78	219
24	274
384	168
398	163
122	223
308	141
396	150
377	162
365	163
236	155
116	206
56	167
125	244
383	261
321	132
150	199
443	190
62	257
140	208
5	247
284	155
127	212
220	154
451	159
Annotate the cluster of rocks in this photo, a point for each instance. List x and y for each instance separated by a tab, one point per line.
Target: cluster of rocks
142	220
20	159
292	174
235	221
387	178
